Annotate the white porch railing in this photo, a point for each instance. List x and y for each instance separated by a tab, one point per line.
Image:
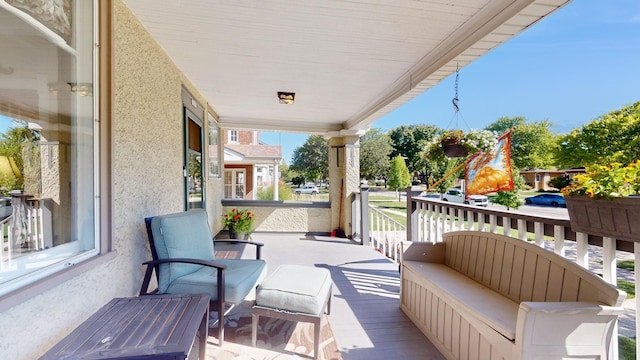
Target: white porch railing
36	231
429	219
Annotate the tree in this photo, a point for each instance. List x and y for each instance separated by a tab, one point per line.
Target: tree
559	182
399	177
510	199
408	142
438	169
17	143
375	148
613	137
532	144
312	158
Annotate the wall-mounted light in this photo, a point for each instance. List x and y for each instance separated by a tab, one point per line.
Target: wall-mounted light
286	97
81	89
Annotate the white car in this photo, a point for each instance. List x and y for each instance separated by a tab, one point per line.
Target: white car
307	189
457	196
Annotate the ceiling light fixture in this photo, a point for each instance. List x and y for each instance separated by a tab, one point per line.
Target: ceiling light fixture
81	89
286	97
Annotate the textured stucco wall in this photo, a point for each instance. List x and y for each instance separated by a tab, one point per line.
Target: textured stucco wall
146	180
289	219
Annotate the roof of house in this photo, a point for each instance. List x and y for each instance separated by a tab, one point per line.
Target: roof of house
256	151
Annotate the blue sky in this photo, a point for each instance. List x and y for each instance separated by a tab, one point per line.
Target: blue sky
575	65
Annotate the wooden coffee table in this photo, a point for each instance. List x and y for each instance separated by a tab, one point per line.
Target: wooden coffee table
153	326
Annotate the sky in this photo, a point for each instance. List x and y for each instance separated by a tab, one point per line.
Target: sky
575	65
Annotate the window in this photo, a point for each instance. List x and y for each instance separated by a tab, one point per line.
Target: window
233	136
47	97
214	148
234	183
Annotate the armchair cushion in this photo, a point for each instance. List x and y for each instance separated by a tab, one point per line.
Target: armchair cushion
241	275
181	235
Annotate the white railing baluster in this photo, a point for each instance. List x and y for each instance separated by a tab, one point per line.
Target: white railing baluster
506	225
522	229
582	249
609	260
558	240
493	223
636	258
538	229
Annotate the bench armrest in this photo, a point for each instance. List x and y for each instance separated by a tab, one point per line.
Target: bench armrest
565	329
258	245
151	265
422	251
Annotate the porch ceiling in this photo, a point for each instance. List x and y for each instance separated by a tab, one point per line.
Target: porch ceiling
349	62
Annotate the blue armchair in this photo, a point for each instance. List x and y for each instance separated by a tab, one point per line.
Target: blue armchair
182	249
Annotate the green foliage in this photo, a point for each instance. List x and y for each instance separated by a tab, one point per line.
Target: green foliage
613	137
399	177
510	199
284	192
532	143
286	173
628	287
408	142
626	348
312	158
8	182
559	182
375	148
11	144
606	181
440	169
626	264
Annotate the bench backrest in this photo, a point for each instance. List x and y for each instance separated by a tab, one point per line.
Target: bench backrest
522	271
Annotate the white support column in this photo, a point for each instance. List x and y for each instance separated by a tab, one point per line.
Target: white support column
276	180
582	249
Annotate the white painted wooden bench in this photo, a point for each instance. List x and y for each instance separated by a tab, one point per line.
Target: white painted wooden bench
479	295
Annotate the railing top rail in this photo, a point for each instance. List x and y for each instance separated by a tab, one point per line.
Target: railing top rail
381	213
555	220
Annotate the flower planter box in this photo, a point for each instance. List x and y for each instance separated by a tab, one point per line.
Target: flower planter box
618	218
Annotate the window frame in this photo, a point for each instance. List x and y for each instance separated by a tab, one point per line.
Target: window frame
233	134
103	82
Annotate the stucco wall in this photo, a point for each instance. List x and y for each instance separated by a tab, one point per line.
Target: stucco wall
146	180
289	218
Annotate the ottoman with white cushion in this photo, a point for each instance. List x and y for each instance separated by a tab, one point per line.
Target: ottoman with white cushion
294	292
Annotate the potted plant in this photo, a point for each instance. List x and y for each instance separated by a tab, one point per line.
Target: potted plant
457	143
604	201
239	223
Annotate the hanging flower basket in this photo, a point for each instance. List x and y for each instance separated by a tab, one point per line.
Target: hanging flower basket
456	144
453	149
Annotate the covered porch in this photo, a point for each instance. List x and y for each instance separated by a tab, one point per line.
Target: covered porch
365	319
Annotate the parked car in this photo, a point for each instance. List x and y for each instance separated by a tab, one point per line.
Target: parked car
5	208
307	189
554	200
457	196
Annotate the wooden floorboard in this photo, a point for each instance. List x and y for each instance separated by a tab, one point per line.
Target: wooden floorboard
365	313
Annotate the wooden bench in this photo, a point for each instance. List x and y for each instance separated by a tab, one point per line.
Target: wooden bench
487	296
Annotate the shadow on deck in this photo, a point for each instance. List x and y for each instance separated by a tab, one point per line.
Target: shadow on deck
365	314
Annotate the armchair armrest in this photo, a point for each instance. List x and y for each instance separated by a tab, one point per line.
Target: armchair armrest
565	329
258	245
153	264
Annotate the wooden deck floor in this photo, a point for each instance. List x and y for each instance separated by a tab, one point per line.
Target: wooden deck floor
365	312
